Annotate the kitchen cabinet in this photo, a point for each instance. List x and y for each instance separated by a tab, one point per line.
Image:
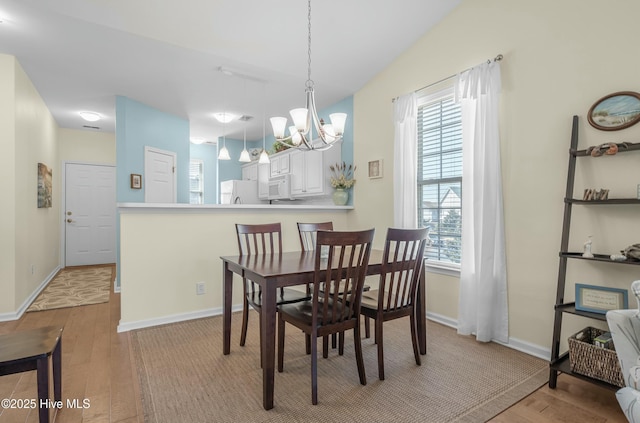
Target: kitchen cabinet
250	172
280	163
264	171
310	175
258	172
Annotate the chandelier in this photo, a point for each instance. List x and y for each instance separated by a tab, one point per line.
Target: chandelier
305	120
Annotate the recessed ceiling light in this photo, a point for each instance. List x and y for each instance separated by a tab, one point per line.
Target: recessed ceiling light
225	117
90	116
197	140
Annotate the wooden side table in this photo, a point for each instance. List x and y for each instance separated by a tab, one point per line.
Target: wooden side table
30	350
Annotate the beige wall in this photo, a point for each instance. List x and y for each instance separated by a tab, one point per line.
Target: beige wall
7	183
163	254
33	241
559	58
86	146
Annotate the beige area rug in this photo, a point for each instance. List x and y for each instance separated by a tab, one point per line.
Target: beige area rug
184	377
75	287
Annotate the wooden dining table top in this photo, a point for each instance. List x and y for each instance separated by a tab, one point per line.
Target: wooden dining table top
288	264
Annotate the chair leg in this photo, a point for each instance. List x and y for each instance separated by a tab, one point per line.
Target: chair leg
359	360
281	343
314	370
307	342
333	340
245	321
379	338
341	343
261	343
414	337
367	329
325	346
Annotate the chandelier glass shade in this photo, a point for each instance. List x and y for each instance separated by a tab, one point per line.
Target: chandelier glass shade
306	120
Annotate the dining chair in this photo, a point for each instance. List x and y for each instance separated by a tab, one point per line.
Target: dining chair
338	308
396	295
261	239
307	233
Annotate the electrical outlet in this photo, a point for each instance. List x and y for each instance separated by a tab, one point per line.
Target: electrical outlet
200	288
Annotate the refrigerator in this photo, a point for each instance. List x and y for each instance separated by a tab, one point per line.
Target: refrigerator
239	192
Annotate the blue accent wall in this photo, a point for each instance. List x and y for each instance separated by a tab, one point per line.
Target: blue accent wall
208	153
232	169
137	126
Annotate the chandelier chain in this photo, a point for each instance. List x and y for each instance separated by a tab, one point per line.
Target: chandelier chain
309	83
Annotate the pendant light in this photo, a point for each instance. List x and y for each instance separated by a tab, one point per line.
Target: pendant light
224	153
244	156
264	157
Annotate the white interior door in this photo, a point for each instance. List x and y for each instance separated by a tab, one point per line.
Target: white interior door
90	214
159	176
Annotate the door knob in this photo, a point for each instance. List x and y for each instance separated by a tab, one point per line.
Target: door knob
69	221
69	213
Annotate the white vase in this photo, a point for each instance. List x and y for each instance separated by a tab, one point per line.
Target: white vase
340	197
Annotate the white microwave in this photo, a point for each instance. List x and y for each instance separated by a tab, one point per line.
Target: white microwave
280	188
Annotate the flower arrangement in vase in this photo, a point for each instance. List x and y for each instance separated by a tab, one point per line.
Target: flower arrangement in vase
342	178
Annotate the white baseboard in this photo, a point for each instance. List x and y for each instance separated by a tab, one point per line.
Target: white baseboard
116	286
514	343
174	318
5	317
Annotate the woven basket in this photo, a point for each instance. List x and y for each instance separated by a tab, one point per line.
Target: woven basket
589	360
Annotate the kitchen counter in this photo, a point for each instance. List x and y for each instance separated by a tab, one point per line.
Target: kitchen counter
132	207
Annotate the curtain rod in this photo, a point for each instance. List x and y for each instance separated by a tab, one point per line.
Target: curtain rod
498	58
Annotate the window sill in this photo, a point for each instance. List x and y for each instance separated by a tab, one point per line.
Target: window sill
443	269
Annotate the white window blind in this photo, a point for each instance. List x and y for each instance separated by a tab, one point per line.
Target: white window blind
440	175
196	181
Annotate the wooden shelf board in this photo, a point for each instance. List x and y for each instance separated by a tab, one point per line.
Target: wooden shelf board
563	365
630	147
610	201
598	257
571	309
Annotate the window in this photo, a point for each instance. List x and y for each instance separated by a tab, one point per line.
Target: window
196	181
440	176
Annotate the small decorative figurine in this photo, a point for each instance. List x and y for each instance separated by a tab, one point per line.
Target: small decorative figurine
635	288
587	249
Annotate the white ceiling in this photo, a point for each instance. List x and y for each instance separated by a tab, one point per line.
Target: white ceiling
80	54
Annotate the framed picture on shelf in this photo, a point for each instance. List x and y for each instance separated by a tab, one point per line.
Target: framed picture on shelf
600	299
375	169
615	111
136	181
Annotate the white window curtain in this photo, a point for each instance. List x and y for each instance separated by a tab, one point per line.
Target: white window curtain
483	308
405	162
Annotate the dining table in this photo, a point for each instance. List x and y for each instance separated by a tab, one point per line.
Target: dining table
273	271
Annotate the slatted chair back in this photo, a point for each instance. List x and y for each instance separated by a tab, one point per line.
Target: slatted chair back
401	268
308	233
259	238
337	293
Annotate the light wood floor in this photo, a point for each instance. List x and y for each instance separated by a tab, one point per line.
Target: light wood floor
98	366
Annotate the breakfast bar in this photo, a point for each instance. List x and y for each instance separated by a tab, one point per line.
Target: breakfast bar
168	251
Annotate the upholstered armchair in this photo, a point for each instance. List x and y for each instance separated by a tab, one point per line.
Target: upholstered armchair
625	331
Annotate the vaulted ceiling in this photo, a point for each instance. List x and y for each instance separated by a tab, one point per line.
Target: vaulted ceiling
80	54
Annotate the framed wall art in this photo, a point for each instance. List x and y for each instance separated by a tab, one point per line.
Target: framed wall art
615	111
136	181
600	299
375	169
45	182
